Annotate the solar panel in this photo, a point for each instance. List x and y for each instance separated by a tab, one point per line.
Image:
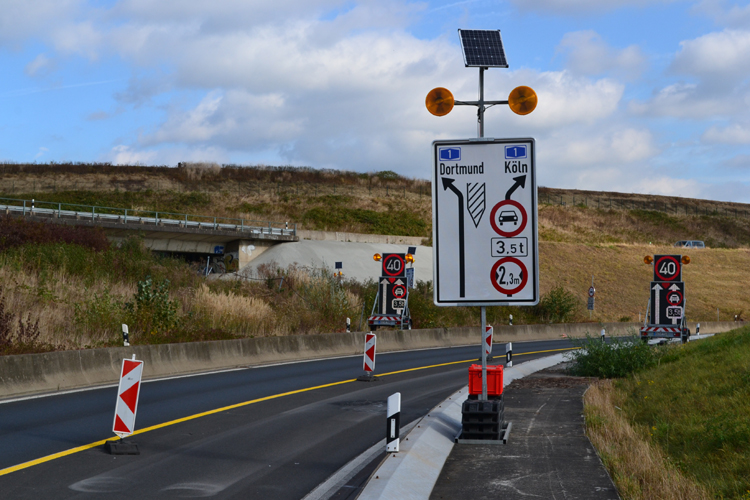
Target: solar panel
483	48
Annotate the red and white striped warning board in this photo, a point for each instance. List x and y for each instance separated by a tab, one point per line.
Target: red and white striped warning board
127	397
488	331
385	318
661	329
369	363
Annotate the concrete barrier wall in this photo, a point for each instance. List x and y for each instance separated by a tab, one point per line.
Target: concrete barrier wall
55	371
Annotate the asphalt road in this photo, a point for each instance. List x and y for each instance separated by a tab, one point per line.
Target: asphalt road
280	447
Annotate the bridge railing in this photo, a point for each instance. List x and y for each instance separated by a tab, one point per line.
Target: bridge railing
148	217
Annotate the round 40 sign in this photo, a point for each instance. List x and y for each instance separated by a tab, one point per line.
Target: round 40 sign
485	223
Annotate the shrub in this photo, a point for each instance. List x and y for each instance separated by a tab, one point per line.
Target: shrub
16	231
151	310
616	359
557	306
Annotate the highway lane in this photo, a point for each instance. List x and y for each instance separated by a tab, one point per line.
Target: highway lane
276	448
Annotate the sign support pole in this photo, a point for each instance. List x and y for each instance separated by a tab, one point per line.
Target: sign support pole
484	355
480	117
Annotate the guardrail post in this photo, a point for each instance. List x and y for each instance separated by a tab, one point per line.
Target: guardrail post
186	220
295	229
59	210
93	214
157	219
270	231
242	224
24	207
126	216
214	223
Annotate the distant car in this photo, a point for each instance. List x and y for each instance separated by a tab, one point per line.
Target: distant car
690	244
508	216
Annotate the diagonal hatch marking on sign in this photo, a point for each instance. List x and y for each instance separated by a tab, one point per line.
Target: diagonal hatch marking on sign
476	201
130	396
129	366
120	425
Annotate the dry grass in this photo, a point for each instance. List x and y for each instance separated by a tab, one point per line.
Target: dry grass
52	301
639	469
622	280
235	313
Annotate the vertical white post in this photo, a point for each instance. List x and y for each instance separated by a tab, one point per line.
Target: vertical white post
509	354
125	339
393	423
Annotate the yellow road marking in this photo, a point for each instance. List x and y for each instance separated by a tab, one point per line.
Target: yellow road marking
85	447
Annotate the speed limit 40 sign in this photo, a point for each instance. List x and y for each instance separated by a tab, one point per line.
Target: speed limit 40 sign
668	268
484	198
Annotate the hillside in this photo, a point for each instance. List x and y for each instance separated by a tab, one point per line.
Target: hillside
379	203
98	288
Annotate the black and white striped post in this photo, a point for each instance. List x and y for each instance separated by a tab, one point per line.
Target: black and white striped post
604	332
509	354
125	339
393	423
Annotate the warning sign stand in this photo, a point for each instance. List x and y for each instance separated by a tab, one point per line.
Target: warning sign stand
368	363
126	407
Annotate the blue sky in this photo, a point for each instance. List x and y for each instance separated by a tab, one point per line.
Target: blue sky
635	95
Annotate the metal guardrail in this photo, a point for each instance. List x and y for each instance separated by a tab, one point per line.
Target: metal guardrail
129	215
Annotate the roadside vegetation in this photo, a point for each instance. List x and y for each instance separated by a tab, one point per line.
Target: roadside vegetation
64	287
80	292
671	422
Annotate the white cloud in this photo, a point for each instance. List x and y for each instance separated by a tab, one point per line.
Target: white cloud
39	66
127	155
732	16
588	54
722	57
40	153
565	99
693	101
737	133
21	19
578	7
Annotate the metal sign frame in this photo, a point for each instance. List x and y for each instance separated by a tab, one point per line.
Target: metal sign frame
475	238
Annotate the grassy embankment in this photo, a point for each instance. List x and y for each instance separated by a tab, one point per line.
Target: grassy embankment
679	429
67	285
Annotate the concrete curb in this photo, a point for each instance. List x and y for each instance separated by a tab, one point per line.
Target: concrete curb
29	374
412	473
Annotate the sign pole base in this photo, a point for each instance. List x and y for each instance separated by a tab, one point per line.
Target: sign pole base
367	377
121	447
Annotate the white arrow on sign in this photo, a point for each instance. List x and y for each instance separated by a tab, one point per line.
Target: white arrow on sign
658	289
383	301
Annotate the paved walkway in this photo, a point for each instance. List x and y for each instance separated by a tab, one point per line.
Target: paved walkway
547	456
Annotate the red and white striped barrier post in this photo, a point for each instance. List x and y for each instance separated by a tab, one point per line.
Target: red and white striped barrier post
393	423
369	358
488	332
126	407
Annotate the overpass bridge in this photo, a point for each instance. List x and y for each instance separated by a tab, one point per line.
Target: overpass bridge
230	242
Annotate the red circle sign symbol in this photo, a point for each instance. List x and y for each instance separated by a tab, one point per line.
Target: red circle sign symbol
501	278
516	218
667	268
591	291
394	263
399	291
674	298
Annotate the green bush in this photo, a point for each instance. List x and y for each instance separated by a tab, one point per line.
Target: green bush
151	309
616	359
99	315
557	306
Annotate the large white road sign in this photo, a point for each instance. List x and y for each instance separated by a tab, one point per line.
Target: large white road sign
484	208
